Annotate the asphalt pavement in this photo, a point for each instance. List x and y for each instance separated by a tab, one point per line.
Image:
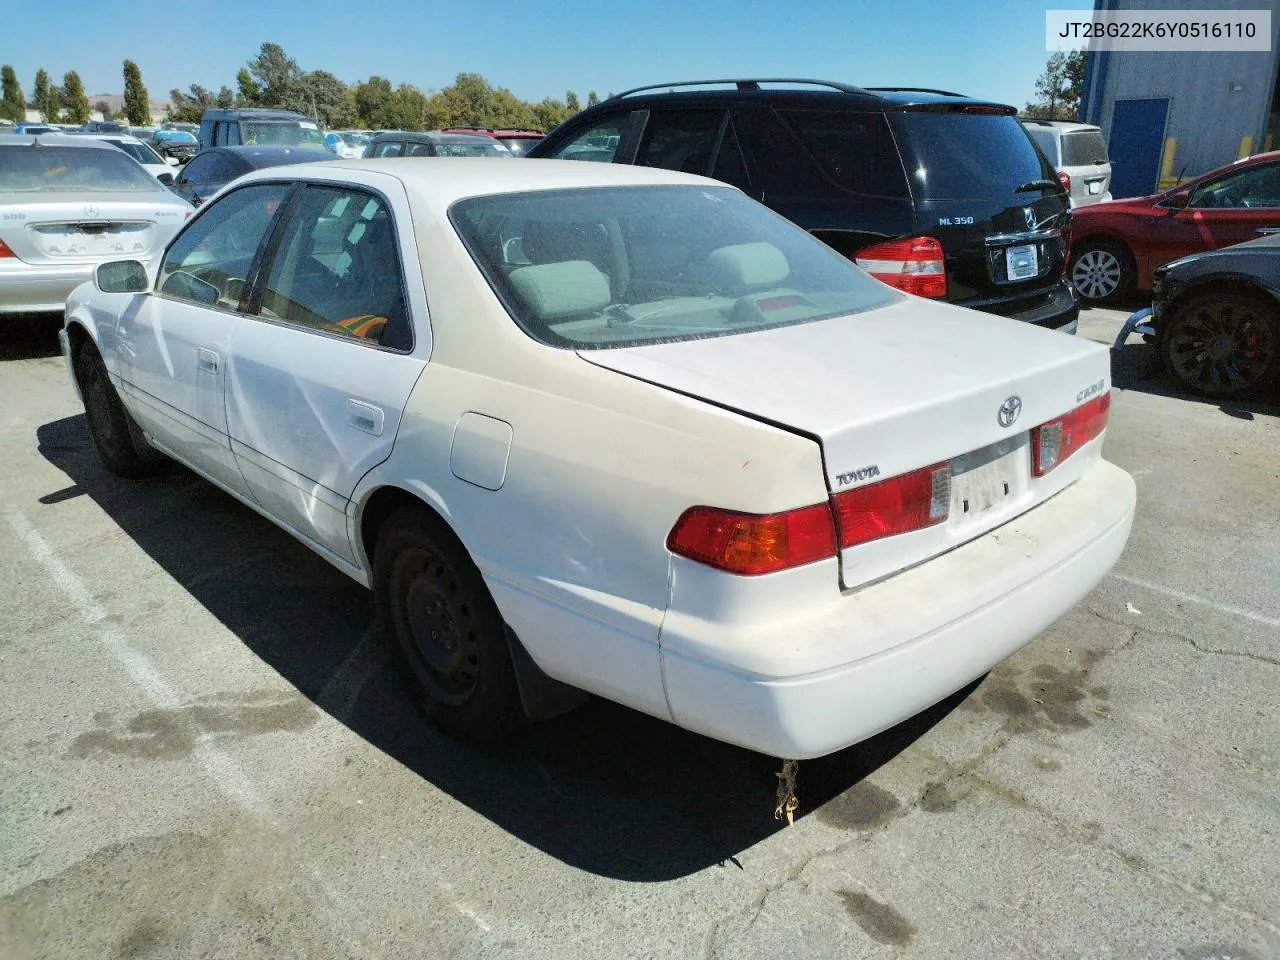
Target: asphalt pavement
203	753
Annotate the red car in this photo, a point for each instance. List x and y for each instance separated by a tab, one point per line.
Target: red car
1115	246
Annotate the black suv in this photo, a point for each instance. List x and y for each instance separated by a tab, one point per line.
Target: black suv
935	193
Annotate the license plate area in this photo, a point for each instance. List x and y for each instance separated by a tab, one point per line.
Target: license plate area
92	238
1021	262
987	481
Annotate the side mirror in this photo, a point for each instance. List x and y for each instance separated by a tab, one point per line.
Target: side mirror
1180	199
121	276
166	179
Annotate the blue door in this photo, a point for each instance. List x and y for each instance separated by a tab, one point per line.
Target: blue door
1137	141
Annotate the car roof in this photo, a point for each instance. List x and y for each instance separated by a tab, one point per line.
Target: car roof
126	137
78	140
432	136
257	157
1064	125
252	113
491	132
799	90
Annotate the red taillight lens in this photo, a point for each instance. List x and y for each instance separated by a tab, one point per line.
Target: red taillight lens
1065	180
913	265
4	250
1053	442
752	544
911	501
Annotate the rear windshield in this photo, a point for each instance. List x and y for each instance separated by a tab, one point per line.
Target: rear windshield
1045	141
1083	149
519	145
855	150
54	169
470	148
966	156
176	136
613	267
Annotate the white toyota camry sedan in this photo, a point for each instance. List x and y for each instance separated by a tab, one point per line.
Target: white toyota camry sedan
586	427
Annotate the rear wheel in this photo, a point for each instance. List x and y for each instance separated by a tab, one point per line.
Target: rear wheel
118	438
1102	271
443	627
1222	344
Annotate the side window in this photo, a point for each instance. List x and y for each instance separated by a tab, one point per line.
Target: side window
680	140
856	150
392	148
209	262
1257	187
196	170
337	269
597	142
231	134
730	166
420	150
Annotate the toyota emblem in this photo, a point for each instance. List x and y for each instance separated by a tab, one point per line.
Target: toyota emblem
1029	216
90	210
1010	410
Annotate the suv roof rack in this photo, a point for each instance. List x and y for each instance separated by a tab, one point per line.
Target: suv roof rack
941	93
741	84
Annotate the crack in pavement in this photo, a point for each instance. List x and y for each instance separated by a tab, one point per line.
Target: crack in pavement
1175	635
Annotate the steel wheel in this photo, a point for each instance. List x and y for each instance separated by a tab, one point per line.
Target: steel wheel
430	611
1098	274
1223	346
443	628
119	441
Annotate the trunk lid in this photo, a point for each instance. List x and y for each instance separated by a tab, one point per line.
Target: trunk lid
88	228
893	390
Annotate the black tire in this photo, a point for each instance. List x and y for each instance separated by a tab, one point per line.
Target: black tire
118	438
1222	345
1102	271
443	628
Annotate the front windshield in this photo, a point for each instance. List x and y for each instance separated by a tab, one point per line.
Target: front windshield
281	133
74	169
593	268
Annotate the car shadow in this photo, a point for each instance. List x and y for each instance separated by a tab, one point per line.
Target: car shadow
29	336
1135	366
604	789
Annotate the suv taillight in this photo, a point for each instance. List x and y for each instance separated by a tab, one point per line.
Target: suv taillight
913	265
1053	442
1065	180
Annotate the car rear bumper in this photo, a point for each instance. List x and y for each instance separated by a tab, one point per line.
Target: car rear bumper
926	632
39	288
1055	308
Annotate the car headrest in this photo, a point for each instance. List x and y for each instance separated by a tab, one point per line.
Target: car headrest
557	290
748	266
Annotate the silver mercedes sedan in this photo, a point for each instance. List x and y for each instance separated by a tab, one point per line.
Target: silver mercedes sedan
68	204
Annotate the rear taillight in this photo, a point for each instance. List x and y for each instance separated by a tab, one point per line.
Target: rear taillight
901	504
1053	442
1065	180
752	544
4	250
913	265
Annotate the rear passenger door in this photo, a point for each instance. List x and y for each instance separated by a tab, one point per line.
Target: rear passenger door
319	375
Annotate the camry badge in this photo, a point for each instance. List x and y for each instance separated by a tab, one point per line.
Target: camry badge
1010	410
1029	216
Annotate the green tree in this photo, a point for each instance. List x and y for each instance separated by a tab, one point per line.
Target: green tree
321	95
190	107
137	105
592	98
13	105
1058	89
74	101
276	74
571	102
249	94
45	98
373	99
225	97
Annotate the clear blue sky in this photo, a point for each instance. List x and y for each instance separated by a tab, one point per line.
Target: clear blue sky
993	50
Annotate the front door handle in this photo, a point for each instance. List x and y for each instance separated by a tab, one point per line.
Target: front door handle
207	360
365	417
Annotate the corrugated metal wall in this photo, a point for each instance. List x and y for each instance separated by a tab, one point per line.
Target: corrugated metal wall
1207	117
